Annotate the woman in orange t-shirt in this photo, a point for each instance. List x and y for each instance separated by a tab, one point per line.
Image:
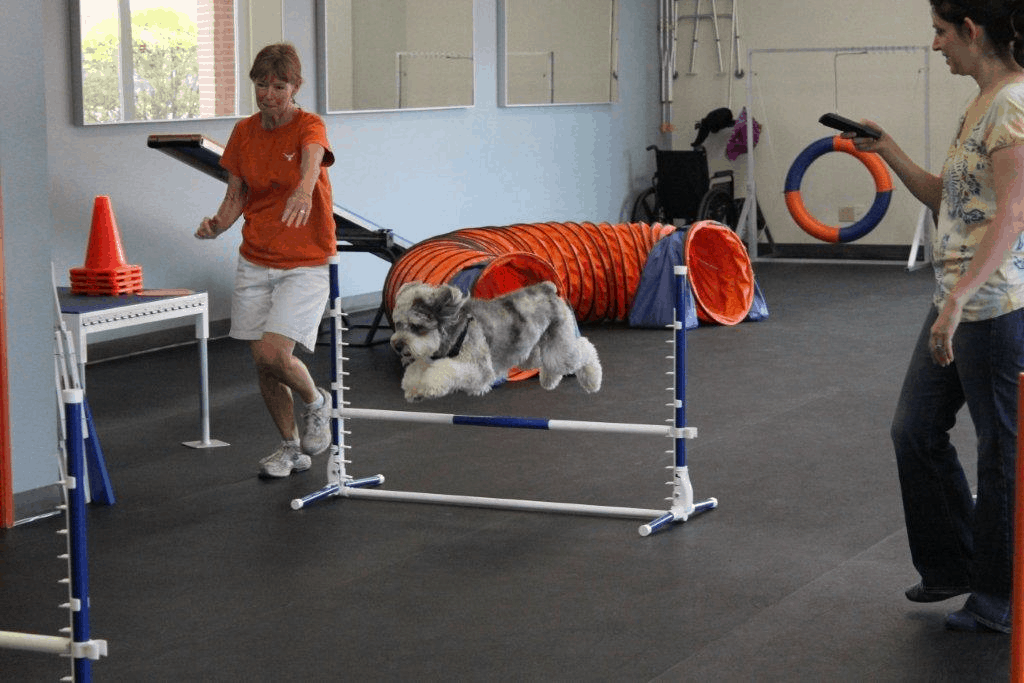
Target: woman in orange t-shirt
277	163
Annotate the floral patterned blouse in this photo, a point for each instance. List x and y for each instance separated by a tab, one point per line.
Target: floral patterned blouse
969	206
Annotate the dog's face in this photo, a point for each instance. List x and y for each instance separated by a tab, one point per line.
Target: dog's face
426	319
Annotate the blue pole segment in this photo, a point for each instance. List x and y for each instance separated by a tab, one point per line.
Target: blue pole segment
335	295
78	557
99	479
513	422
325	492
680	364
658	524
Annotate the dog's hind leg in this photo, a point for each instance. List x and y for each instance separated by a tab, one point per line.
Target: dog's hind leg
589	372
575	356
552	363
562	351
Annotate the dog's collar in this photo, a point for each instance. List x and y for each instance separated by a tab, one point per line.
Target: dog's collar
457	346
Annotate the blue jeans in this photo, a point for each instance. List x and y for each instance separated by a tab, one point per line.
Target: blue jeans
956	541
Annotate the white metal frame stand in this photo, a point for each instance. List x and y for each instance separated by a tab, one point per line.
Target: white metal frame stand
748	216
340	483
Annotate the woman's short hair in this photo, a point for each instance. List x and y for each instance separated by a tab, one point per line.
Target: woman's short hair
279	60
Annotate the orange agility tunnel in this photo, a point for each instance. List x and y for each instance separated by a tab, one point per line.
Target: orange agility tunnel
597	267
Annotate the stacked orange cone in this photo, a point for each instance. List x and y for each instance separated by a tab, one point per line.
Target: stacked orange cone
105	271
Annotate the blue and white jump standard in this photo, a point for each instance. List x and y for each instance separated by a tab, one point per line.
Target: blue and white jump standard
339	483
78	644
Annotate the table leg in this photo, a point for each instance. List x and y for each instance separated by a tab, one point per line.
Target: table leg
204	403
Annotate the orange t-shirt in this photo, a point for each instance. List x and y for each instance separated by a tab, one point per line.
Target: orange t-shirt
269	163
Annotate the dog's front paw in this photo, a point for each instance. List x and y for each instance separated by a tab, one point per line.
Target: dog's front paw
426	380
416	393
412	380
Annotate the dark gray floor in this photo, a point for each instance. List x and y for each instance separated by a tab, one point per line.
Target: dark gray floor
202	572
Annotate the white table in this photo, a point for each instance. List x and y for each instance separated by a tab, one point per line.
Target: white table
84	315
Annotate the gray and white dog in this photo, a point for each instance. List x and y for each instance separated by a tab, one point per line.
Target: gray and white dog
450	342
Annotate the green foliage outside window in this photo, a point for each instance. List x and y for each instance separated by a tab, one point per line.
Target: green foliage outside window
165	61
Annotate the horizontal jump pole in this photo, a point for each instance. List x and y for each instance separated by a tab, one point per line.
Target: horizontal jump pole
57	645
54	645
500	503
517	422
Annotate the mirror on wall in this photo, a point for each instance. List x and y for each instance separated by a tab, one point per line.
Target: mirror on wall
560	51
396	54
189	59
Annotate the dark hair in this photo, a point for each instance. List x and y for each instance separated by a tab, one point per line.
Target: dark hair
279	60
1003	21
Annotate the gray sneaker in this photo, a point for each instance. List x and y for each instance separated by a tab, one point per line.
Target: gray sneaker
285	460
316	427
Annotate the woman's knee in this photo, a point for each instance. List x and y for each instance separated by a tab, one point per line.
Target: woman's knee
270	358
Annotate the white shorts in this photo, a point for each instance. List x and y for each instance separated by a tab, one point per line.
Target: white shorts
290	302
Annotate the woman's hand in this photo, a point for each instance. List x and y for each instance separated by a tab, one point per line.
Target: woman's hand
869	144
941	337
209	228
297	208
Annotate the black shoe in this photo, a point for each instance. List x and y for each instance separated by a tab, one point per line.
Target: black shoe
920	593
965	622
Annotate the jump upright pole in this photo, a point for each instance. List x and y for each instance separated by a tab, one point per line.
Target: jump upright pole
337	477
341	484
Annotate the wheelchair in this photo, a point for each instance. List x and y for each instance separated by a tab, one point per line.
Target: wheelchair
683	189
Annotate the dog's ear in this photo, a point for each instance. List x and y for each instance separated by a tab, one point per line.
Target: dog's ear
406	286
448	301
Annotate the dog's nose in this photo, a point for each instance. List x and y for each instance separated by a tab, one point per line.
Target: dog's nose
398	345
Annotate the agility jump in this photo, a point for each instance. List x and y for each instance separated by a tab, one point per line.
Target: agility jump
340	483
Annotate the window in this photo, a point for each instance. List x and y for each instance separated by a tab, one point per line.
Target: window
181	65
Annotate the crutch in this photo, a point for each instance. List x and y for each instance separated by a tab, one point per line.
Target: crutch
693	45
738	73
669	40
696	29
718	37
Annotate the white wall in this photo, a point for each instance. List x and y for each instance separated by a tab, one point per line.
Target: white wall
790	92
419	173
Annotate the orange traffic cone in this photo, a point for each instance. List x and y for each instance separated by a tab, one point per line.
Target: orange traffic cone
105	271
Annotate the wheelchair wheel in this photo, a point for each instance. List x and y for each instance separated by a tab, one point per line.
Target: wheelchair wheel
717	205
646	209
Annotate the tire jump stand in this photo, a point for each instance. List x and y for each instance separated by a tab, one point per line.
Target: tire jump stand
340	483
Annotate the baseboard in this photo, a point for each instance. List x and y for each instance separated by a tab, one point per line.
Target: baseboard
838	252
28	505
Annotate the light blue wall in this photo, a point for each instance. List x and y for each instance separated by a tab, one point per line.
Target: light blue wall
28	243
417	173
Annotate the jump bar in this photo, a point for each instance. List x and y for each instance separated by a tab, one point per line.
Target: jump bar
514	422
501	503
